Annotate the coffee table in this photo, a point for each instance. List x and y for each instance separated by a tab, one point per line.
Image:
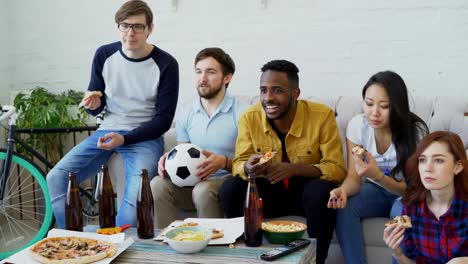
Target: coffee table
150	251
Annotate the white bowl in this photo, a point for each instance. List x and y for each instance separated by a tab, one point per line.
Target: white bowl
189	246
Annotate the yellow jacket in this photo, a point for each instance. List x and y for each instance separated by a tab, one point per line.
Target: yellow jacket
312	139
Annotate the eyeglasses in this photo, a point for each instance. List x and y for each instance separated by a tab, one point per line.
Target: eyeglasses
137	28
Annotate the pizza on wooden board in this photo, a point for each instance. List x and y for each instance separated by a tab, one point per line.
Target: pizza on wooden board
71	250
403	220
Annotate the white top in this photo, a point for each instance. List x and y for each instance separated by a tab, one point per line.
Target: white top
361	133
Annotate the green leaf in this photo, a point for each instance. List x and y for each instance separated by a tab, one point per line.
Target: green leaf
42	109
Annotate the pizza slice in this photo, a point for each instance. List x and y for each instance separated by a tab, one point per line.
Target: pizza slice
404	220
216	233
360	151
266	157
76	250
188	224
90	94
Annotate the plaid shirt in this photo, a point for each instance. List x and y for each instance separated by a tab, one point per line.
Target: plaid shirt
436	241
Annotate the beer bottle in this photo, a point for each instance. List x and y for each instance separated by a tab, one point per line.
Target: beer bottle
145	208
73	207
253	234
106	199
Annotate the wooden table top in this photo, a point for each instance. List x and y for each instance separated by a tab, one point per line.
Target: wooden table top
150	251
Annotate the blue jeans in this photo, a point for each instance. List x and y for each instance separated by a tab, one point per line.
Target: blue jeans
85	159
371	201
397	209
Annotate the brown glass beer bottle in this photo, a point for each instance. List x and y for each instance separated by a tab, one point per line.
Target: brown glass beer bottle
253	234
105	196
145	208
73	207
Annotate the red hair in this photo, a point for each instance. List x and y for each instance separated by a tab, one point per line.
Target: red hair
416	191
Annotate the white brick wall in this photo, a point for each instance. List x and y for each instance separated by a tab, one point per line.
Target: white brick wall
337	45
4	51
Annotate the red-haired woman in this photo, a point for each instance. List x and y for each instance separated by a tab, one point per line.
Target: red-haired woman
437	203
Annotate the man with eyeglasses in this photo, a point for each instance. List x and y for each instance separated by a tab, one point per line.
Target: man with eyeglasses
139	84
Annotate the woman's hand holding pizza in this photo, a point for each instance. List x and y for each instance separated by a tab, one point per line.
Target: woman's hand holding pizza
368	169
212	164
393	235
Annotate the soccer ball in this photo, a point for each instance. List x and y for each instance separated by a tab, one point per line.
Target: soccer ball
181	164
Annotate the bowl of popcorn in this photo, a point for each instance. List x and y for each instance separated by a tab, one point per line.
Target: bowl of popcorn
283	232
189	239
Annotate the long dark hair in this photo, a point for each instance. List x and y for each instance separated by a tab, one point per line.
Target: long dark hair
416	191
406	127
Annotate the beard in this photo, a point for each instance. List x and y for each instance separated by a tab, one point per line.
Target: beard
209	93
284	110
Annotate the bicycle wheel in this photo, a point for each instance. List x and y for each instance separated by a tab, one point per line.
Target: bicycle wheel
26	210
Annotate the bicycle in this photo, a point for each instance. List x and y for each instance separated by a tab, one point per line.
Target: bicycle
25	207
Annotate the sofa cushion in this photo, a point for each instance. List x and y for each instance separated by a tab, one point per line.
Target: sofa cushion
372	229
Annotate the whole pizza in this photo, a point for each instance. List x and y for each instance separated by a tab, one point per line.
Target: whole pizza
71	250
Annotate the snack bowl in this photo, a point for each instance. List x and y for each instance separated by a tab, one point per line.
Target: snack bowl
189	239
283	232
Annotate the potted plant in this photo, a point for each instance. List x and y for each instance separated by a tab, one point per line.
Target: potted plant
43	109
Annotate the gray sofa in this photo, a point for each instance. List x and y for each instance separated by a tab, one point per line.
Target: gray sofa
440	113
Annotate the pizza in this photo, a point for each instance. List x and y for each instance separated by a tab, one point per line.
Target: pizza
267	156
216	233
90	94
71	250
403	220
359	151
188	224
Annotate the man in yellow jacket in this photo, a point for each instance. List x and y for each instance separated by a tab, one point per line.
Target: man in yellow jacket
308	163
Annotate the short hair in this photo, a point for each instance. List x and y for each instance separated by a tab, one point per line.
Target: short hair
220	56
416	192
227	64
284	66
132	8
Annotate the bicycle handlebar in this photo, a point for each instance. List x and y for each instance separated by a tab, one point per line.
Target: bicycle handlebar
6	111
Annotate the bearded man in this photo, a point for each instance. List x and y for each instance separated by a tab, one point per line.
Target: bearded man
211	124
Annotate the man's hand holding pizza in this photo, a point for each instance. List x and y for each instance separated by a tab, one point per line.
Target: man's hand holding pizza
91	100
253	166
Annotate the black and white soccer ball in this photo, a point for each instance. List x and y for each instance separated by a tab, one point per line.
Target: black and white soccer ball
181	164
